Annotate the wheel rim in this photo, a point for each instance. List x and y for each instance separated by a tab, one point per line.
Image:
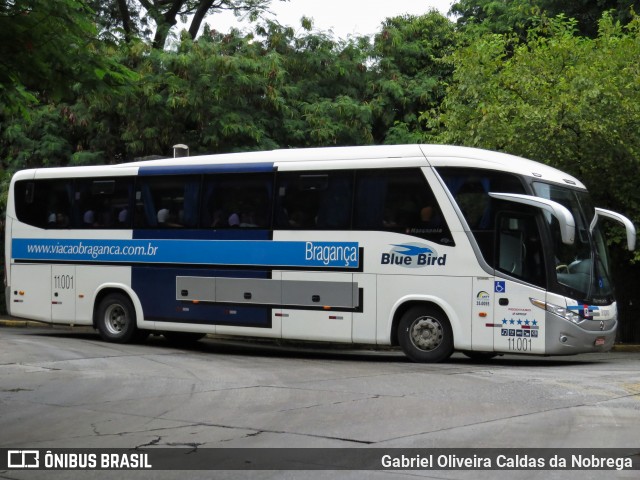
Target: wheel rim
115	319
426	333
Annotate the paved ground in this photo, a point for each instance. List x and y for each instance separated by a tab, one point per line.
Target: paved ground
64	387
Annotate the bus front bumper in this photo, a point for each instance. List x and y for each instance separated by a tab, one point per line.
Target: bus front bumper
566	338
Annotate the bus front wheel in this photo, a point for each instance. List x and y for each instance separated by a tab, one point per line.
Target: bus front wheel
425	335
116	318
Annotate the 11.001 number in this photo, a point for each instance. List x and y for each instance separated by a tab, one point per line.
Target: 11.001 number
520	344
63	282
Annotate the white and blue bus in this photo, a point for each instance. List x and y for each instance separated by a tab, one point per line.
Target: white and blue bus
433	248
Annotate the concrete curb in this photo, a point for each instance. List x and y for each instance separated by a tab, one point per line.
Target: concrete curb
625	347
17	323
9	322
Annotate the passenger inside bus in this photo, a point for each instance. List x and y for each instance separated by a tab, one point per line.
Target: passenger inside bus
429	217
166	218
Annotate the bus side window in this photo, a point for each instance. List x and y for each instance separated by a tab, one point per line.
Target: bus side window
237	200
103	203
519	251
314	200
44	203
167	202
399	200
470	188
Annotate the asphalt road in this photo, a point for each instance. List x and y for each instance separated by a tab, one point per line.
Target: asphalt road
65	388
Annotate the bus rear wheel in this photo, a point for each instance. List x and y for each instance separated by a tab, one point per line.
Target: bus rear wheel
425	335
116	318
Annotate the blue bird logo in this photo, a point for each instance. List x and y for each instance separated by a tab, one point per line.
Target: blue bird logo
412	250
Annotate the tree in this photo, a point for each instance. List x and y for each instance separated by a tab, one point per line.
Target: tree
49	52
229	92
154	19
47	49
589	12
502	16
497	16
117	19
324	87
411	73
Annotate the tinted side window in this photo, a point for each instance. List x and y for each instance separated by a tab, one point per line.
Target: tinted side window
79	203
399	200
103	203
519	248
167	202
237	201
314	200
44	203
470	188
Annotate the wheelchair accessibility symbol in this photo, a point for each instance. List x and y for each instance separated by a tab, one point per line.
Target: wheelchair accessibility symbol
500	287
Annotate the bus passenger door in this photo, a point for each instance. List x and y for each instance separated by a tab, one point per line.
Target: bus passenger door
520	276
63	293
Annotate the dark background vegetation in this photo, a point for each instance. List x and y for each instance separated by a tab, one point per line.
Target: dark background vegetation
85	82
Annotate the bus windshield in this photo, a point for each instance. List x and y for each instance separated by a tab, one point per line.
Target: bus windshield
583	270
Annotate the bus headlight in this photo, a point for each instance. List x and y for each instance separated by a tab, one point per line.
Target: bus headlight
561	312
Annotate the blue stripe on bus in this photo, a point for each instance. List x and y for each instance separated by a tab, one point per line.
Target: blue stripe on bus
243	253
156	289
206	168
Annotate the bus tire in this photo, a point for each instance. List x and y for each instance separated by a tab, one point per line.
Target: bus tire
425	334
116	319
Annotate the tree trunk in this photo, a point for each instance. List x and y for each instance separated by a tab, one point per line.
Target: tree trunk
126	19
165	22
198	17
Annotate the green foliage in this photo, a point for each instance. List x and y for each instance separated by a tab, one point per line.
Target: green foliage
47	49
42	142
412	73
588	13
518	16
323	88
35	37
230	92
496	16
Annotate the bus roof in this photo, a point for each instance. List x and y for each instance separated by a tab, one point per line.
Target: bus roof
454	156
375	155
